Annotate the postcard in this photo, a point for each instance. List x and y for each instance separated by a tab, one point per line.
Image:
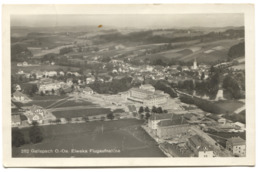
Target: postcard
128	85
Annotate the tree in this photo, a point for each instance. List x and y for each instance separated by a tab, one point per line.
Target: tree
165	111
52	91
202	76
42	94
110	116
57	120
179	68
142	116
154	109
86	118
147	115
17	137
35	134
147	109
159	110
102	118
237	50
141	109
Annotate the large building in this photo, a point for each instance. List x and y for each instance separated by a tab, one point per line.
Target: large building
172	127
156	118
47	84
237	146
147	95
200	147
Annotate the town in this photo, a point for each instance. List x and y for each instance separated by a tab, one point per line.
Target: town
180	96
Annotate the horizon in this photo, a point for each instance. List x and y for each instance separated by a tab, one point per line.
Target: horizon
138	21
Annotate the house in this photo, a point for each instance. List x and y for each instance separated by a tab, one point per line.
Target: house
147	87
16	120
52	63
18	87
38	114
87	90
240	125
25	63
222	121
38	74
90	80
190	117
18	96
120	46
69	81
200	147
185	68
20	72
237	146
63	121
19	64
51	73
61	73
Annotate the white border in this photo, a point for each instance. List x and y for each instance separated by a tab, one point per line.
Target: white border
249	23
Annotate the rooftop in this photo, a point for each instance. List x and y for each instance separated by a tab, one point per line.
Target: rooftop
199	143
18	94
236	141
16	118
175	120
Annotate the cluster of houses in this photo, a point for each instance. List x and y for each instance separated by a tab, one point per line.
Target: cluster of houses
23	64
32	114
180	136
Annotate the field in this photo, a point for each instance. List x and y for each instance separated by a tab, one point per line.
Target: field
28	69
207	53
126	136
229	105
81	112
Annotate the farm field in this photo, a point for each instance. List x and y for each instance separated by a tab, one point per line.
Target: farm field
28	69
207	53
126	136
53	101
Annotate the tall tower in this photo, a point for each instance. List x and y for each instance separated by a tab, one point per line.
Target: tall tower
195	64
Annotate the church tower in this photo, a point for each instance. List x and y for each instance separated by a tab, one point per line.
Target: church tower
195	64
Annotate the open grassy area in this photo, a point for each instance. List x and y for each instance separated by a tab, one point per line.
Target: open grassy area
81	112
28	69
229	106
124	135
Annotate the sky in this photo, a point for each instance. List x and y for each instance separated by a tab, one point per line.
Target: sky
131	20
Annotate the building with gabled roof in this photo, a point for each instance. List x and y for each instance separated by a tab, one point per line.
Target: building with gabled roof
38	114
16	120
87	90
237	146
170	128
200	147
18	96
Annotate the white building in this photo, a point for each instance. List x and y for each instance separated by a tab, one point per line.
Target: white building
237	146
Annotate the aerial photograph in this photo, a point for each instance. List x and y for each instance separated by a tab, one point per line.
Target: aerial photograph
128	85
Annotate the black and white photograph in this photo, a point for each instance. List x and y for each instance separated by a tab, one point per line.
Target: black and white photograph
165	85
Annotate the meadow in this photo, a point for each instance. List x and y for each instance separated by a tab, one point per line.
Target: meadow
124	135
